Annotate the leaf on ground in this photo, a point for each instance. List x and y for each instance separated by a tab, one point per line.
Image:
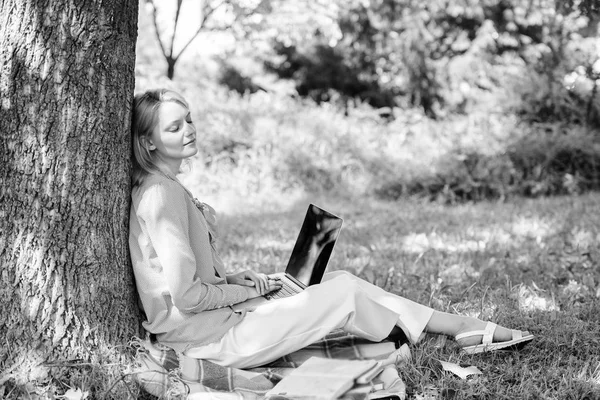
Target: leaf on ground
75	394
531	300
461	372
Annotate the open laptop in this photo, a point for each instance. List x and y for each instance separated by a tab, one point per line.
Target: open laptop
309	258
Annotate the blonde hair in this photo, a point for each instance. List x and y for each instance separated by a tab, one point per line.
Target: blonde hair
143	123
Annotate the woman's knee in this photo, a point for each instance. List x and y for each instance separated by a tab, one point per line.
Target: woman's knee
337	275
342	283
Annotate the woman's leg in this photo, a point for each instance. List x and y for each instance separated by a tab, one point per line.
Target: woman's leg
282	326
437	322
412	317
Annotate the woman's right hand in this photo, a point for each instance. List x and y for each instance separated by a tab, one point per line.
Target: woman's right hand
272	285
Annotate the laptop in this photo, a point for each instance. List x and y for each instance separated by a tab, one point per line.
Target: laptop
309	258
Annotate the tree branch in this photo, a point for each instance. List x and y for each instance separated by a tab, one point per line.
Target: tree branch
154	21
207	12
177	11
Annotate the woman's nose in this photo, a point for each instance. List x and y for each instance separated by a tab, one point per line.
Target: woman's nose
190	129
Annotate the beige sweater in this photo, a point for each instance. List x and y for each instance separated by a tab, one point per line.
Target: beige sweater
179	276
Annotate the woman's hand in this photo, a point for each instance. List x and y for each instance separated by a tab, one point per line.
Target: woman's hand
259	282
274	284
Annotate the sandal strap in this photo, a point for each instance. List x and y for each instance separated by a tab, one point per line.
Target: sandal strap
487	333
516	334
469	334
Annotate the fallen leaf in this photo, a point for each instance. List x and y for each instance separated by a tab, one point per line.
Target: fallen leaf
75	394
461	372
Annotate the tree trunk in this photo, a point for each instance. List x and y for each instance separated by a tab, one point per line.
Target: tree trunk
66	85
171	67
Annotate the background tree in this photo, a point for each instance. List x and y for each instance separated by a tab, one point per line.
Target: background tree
386	50
558	42
401	52
66	82
218	15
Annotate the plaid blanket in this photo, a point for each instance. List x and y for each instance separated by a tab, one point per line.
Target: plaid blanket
166	374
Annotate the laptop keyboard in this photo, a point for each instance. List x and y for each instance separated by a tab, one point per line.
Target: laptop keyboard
286	290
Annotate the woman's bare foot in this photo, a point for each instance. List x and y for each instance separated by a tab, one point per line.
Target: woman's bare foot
454	325
501	334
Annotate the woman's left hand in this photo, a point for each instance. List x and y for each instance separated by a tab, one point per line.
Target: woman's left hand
250	278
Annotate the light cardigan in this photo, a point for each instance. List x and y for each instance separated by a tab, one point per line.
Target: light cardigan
179	276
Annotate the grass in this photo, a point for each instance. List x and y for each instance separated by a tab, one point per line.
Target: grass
109	374
529	264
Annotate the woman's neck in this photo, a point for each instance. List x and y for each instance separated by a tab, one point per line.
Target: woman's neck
170	168
169	175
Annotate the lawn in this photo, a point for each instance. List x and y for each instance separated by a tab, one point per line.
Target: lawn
526	263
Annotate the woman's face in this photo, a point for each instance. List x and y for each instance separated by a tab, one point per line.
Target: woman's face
174	137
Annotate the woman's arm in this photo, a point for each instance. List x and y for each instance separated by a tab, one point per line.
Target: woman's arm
164	210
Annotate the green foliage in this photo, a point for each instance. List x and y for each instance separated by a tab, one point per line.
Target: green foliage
399	53
383	53
233	79
559	45
538	164
557	163
500	95
269	148
394	50
320	69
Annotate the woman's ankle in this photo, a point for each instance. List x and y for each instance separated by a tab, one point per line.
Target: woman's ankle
443	323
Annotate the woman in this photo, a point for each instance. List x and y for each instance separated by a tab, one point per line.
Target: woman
187	295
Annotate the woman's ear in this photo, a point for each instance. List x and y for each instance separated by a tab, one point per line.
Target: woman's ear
147	143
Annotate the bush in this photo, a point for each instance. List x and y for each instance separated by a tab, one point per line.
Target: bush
557	162
401	53
320	70
234	80
269	146
540	164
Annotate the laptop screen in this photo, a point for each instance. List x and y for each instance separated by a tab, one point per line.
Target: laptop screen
314	245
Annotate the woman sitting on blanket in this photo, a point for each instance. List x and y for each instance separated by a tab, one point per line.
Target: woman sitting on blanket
187	296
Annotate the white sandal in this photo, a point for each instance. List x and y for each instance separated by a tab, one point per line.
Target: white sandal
487	341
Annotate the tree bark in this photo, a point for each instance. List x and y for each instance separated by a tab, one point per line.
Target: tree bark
66	86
